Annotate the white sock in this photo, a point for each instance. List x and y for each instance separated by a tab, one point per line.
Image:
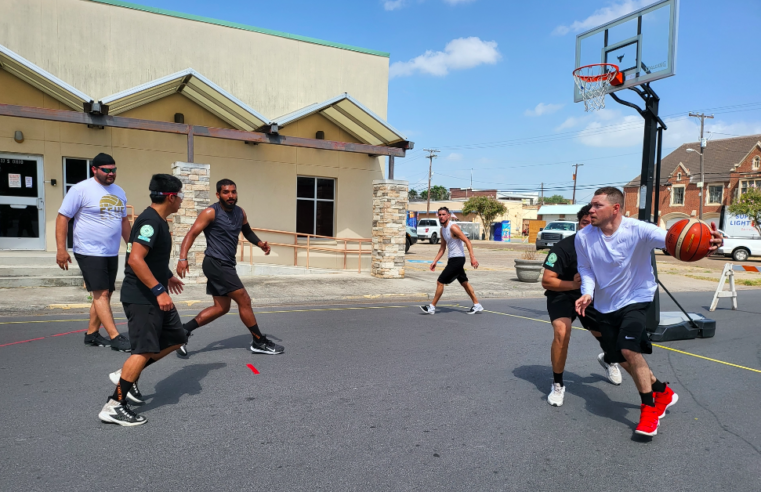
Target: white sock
431	307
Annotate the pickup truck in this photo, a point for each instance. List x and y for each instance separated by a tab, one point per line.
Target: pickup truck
554	232
429	229
740	248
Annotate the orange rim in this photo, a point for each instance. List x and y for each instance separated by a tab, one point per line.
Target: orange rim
596	78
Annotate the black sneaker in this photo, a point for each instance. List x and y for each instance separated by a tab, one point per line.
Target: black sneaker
134	395
121	344
265	346
97	340
430	309
476	308
183	351
117	413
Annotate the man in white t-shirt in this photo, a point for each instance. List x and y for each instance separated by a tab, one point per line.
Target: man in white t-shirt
614	261
99	210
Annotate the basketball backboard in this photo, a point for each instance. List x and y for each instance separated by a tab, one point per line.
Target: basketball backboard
642	44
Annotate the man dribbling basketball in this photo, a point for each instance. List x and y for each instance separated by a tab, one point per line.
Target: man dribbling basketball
615	267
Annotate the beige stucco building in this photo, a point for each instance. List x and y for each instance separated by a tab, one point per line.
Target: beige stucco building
156	65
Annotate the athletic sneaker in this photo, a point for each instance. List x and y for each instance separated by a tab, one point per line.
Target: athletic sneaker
183	351
116	413
613	371
429	309
121	344
664	400
265	346
97	340
134	395
648	421
556	396
476	308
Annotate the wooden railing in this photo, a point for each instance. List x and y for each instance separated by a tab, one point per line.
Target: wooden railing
309	246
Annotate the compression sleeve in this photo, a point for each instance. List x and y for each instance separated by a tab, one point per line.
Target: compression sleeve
249	234
585	270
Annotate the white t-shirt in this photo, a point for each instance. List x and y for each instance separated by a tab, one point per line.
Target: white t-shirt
97	211
616	270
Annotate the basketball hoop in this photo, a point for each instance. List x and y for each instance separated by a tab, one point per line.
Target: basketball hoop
593	82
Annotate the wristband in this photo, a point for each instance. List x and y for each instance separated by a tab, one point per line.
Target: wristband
158	289
183	259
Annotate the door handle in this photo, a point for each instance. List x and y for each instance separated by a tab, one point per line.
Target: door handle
40	203
18	207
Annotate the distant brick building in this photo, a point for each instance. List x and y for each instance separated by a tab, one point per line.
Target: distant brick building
731	166
455	193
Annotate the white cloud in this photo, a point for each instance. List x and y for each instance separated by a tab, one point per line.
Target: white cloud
601	16
542	109
458	54
393	4
454	156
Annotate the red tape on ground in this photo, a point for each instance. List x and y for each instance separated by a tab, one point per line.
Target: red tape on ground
253	369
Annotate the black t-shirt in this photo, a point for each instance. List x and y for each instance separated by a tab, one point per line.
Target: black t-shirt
562	260
151	231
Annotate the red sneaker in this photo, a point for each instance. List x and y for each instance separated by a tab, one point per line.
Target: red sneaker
663	400
648	421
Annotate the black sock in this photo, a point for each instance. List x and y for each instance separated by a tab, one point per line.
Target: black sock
558	378
606	359
647	399
255	332
659	387
150	361
120	393
190	325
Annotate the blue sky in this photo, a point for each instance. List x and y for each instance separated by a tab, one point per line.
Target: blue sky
495	92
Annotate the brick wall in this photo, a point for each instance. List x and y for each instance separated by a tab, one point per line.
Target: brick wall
467	193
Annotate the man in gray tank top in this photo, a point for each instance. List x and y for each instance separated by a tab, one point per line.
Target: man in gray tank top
454	239
222	223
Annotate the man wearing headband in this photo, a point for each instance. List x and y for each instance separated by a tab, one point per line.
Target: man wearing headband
99	210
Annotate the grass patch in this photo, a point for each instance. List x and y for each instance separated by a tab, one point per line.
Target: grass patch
698	277
749	283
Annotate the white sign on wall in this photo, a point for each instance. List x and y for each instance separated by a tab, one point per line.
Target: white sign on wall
14	180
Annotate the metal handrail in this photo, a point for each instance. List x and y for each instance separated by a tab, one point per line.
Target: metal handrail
296	246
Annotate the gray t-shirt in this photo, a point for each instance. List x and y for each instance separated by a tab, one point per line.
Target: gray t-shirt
97	211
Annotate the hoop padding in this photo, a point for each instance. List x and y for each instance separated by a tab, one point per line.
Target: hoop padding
593	82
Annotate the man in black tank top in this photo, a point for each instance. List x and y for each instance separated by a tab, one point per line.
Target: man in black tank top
222	223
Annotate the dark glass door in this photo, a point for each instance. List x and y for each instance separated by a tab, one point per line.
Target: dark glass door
22	214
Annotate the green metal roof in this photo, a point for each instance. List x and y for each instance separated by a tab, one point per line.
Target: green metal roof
243	27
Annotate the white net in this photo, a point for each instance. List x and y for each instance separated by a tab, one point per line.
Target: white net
593	82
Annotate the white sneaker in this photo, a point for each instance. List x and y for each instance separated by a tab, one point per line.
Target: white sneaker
115	376
613	371
134	395
429	309
115	413
557	393
476	308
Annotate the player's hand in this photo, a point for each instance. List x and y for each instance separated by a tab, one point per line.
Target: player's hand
474	263
582	304
433	266
63	259
175	285
265	247
165	302
717	239
182	268
577	281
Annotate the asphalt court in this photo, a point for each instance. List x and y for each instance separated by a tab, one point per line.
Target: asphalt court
380	396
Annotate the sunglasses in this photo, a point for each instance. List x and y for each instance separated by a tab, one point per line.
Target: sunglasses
108	170
179	195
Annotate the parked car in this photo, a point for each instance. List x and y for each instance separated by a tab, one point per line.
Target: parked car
429	229
554	232
740	248
411	238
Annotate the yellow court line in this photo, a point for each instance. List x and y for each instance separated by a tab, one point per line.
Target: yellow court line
654	345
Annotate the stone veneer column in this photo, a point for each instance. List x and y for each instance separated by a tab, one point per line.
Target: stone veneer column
390	198
195	186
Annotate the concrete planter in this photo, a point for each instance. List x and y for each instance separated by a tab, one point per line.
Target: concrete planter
529	270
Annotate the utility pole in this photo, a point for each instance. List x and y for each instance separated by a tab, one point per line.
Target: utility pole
431	156
542	193
575	173
702	117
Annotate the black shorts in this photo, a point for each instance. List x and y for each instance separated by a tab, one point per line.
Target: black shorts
625	329
151	330
99	272
455	269
221	277
563	305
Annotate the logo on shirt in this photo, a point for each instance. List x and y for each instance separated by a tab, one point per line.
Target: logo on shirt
146	231
552	259
111	207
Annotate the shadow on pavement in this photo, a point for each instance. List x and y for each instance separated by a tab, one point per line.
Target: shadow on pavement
186	381
597	402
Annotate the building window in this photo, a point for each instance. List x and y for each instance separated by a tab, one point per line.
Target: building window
677	195
315	205
678	176
756	163
744	185
715	194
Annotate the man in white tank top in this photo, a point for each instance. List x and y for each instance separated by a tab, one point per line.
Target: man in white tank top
454	239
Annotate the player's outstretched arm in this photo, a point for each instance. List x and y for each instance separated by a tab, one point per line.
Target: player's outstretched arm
717	240
551	281
251	237
203	220
143	273
457	232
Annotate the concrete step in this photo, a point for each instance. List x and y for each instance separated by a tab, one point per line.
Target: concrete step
44	270
37	258
14	282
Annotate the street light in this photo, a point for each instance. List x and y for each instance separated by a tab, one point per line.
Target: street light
701	185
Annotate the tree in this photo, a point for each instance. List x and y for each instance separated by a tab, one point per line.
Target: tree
556	199
413	194
438	192
749	203
486	207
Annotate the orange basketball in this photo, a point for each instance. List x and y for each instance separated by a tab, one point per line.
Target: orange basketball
689	240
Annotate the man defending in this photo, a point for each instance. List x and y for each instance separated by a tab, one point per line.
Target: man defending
222	223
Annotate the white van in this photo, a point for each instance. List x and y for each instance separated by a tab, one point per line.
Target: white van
429	229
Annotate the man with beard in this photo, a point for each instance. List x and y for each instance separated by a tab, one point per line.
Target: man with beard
222	223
